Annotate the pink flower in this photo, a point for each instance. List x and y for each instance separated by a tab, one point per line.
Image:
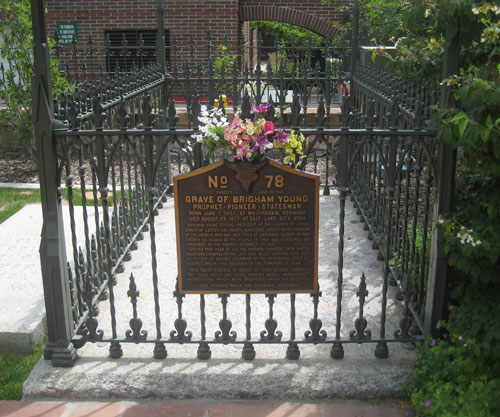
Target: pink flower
427	404
236	122
268	128
243	153
261	143
433	343
281	137
231	136
261	108
438	325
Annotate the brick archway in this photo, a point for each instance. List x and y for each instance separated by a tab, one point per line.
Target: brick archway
250	12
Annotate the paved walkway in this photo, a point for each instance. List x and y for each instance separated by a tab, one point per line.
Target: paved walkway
198	408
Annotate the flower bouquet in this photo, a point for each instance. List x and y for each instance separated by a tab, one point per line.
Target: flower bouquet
248	140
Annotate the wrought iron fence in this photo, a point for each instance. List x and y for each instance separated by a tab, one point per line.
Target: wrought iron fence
392	179
123	138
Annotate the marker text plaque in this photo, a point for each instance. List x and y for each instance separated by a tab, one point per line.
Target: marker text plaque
247	228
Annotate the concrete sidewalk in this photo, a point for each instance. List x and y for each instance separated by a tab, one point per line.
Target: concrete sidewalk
199	408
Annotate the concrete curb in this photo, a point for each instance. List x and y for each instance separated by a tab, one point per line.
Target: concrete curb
33	185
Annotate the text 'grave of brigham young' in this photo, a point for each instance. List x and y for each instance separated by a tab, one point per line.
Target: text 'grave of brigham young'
247	232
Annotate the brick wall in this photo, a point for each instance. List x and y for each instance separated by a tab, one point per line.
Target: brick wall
184	19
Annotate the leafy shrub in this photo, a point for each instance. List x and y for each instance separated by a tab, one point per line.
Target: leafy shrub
16	47
459	375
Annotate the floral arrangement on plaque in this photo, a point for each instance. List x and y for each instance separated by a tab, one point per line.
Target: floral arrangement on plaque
248	140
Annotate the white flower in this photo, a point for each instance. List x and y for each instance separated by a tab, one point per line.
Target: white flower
475	10
187	147
466	237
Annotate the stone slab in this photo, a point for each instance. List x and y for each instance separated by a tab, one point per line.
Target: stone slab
315	376
22	307
271	379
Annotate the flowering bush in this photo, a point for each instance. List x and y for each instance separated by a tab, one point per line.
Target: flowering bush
247	139
458	375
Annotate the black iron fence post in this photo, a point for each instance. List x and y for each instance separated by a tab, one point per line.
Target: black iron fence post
381	350
438	268
52	247
337	350
355	36
161	59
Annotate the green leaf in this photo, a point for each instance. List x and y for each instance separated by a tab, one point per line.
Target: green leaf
462	127
485	134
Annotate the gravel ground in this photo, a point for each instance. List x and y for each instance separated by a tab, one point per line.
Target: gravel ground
19	165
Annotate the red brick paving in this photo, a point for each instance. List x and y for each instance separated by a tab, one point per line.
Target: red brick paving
169	409
267	410
31	409
194	409
95	409
363	411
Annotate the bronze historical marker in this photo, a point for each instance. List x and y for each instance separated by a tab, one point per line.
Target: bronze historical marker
247	228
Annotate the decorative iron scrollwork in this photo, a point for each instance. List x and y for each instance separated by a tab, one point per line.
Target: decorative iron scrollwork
271	325
90	331
404	327
172	117
321	116
346	108
147	114
360	323
98	112
315	334
245	106
136	334
296	111
225	334
194	112
180	334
